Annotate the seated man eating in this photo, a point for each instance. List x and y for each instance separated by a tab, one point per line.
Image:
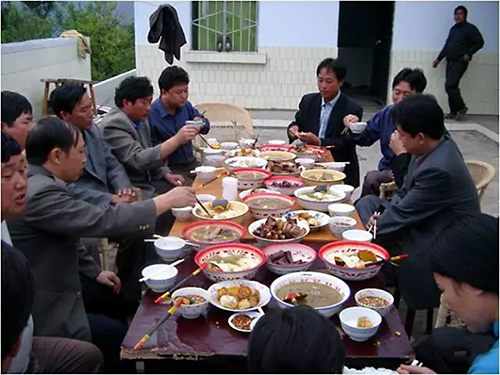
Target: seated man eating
437	189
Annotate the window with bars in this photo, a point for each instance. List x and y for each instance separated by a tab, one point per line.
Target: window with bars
224	26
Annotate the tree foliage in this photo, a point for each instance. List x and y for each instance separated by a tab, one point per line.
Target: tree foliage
111	38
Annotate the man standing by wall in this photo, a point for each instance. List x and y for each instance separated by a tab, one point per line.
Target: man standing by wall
463	41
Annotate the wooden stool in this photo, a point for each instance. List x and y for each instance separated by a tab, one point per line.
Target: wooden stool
60	81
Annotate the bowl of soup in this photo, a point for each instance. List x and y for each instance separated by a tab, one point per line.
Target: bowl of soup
250	178
277	155
310	199
350	260
213	232
230	261
262	205
314	177
325	293
234	211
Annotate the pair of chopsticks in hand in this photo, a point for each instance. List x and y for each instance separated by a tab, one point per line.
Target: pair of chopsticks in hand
374	226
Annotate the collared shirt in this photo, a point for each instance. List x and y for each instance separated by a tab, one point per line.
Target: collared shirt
137	125
165	125
326	110
487	363
379	127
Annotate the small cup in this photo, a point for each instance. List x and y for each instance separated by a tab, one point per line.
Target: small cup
306	162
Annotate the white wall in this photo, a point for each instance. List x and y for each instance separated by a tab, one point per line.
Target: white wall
105	90
25	63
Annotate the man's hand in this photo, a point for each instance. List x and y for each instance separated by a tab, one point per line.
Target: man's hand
395	143
371	221
435	63
124	198
405	369
350	119
200	120
293	132
309	138
175	179
109	279
181	196
466	58
186	134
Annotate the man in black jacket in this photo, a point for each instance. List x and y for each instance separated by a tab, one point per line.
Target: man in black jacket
463	41
319	120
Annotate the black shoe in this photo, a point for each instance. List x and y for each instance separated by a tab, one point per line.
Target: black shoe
450	116
461	114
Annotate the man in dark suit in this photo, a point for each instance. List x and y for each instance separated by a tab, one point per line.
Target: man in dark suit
437	190
319	120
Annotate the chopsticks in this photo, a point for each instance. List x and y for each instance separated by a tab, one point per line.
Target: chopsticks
162	270
374	226
255	142
145	338
198	201
390	260
204	140
187	242
166	294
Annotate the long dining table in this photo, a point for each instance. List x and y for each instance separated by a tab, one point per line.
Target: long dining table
209	344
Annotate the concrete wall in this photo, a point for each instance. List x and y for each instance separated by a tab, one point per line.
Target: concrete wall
105	90
432	21
25	63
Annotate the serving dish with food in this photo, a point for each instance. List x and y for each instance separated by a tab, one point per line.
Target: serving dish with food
284	168
347	259
245	193
278	156
315	198
239	295
375	299
314	177
315	219
230	261
213	232
243	152
339	224
234	211
251	178
284	184
245	162
325	293
243	322
262	205
198	301
278	230
292	257
308	151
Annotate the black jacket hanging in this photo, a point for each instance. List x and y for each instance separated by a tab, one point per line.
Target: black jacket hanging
164	23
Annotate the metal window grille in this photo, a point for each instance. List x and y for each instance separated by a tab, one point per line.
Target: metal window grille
224	26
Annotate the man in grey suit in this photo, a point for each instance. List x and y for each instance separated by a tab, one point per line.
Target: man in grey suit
437	189
128	134
49	232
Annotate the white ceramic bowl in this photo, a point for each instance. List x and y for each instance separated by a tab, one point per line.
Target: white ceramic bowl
244	183
215	160
298	251
358	127
320	216
332	176
251	314
347	189
192	311
163	281
316	277
357	235
262	213
246	142
341	209
170	248
265	295
276	142
212	151
183	213
230	249
205	173
339	224
248	192
245	162
294	181
316	205
373	292
205	197
349	322
229	146
263	241
306	162
336	165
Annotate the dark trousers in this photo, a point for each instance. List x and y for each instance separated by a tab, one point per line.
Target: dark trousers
452	350
60	355
366	206
373	179
455	69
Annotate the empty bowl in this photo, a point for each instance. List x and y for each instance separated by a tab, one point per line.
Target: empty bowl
205	198
162	281
373	298
183	213
194	309
215	160
357	235
341	209
350	319
205	173
170	248
339	224
306	162
229	146
358	127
